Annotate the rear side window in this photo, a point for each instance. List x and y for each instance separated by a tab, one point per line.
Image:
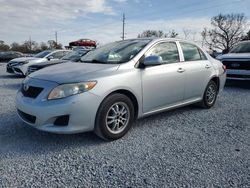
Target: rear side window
192	52
167	50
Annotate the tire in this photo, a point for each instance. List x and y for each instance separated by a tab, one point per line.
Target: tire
210	95
114	117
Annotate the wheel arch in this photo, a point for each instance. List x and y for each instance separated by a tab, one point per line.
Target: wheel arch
130	95
216	79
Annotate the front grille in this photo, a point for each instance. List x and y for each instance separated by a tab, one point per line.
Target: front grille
27	117
241	65
17	70
9	69
237	76
31	91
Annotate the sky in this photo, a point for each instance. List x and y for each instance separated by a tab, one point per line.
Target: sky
101	20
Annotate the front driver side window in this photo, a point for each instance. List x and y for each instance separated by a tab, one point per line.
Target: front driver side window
58	55
167	50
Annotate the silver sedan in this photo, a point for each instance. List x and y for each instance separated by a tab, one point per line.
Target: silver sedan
118	83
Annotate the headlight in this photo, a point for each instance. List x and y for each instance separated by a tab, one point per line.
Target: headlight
25	62
22	62
66	90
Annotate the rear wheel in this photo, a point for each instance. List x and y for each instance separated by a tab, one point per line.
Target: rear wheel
114	117
210	95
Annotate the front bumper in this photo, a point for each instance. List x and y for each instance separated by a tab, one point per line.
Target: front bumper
234	74
9	69
42	114
17	70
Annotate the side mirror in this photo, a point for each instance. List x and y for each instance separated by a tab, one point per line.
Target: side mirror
153	60
50	57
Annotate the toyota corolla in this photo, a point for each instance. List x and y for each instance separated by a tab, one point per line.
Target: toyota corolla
118	83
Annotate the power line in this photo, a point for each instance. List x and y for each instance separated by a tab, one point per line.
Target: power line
181	11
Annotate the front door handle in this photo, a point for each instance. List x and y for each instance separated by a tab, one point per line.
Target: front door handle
207	66
181	70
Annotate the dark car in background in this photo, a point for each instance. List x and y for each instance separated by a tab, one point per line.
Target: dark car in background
74	56
9	55
237	61
83	42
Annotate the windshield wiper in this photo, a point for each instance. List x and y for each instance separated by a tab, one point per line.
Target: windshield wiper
98	61
94	61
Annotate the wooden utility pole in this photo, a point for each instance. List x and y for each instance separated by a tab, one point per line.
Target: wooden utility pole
30	43
123	27
56	37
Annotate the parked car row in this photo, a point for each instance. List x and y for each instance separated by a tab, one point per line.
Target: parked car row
117	83
20	66
74	56
9	55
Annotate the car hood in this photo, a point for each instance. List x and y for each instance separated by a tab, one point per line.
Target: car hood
71	72
22	59
48	63
234	56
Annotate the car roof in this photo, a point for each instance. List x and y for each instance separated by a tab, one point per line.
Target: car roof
55	50
244	41
153	40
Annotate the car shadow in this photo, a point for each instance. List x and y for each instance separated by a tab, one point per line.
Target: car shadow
12	86
17	138
8	76
241	84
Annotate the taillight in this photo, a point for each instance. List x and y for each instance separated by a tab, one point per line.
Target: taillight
224	68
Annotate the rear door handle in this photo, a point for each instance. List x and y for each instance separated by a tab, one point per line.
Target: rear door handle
181	70
208	66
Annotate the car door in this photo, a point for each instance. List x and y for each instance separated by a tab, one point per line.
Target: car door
198	71
163	85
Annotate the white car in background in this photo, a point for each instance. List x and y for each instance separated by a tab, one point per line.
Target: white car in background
20	66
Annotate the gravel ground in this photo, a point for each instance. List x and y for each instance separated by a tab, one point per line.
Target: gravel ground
187	147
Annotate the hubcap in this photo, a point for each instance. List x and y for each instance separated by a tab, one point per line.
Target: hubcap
211	94
117	117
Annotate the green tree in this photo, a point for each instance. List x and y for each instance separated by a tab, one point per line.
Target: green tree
53	45
171	34
157	34
151	33
3	46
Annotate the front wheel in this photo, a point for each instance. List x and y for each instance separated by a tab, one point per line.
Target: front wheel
210	95
114	117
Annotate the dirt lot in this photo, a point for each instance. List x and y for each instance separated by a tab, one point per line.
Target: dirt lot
187	147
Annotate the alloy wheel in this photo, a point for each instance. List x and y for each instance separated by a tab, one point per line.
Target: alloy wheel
117	117
211	94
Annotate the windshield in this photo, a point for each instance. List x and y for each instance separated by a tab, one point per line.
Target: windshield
241	48
75	55
42	54
116	52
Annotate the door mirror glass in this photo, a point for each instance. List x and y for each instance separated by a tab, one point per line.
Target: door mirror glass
153	60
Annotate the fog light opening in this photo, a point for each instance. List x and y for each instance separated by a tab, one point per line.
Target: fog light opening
62	120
